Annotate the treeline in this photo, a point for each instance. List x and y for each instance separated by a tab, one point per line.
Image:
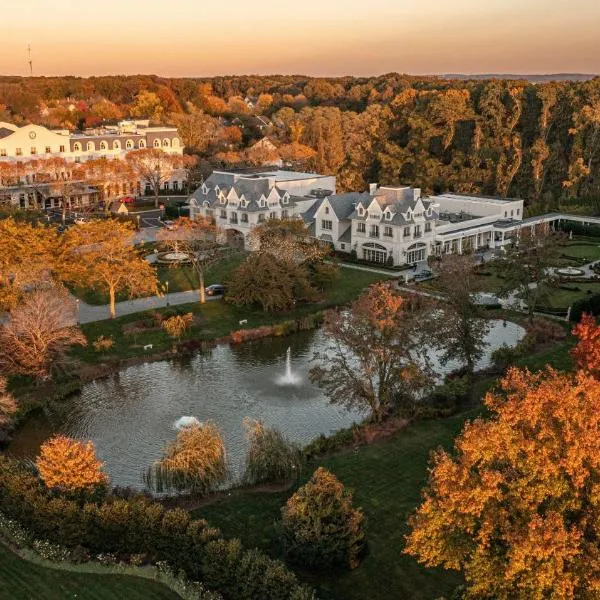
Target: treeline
499	137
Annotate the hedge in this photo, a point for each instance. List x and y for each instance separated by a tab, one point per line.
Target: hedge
590	304
137	525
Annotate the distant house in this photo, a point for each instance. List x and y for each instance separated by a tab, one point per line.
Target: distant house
264	153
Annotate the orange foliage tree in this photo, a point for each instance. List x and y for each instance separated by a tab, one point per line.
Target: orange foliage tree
517	509
70	465
587	352
373	358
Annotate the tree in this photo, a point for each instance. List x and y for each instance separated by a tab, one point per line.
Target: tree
271	458
26	259
265	280
195	461
198	239
155	167
587	352
459	327
113	178
322	529
39	333
516	508
101	255
70	465
526	266
147	106
374	356
197	129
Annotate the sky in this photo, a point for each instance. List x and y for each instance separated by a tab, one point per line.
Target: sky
313	37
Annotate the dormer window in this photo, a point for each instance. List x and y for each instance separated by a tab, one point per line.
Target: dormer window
361	211
388	215
285	199
204	189
327	210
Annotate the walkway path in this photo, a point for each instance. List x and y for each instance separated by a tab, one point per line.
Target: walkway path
89	313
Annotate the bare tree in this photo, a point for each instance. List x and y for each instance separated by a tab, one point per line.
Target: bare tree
39	333
8	405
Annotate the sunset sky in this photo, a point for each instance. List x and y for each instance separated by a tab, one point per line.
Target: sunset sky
314	37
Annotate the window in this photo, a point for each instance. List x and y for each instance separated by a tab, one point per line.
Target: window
360	228
272	215
342	246
103	146
327	225
91	146
223	214
388	232
175	143
327	210
244	217
261	218
129	144
512	213
18	152
166	143
518	211
61	149
406	232
166	185
506	213
417	231
48	150
2	151
116	145
233	218
284	214
157	143
142	144
374	231
427	227
176	185
76	147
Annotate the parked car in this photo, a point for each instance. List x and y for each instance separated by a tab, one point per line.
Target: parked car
80	220
170	225
216	289
425	274
127	200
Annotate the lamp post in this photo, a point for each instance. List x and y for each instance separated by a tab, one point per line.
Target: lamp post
167	284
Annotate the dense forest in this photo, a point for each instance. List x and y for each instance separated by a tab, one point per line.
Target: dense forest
540	142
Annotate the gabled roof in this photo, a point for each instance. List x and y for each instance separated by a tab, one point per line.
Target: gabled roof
343	205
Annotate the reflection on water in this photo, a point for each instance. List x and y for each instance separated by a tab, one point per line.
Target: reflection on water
130	416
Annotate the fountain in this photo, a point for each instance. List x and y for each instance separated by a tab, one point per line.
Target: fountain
185	422
288	378
174	257
570	272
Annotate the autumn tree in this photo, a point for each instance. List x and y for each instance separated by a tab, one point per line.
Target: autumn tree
195	461
373	359
102	255
26	259
459	328
70	465
39	333
197	238
155	167
196	129
266	281
147	105
177	325
322	529
526	266
112	177
516	507
586	353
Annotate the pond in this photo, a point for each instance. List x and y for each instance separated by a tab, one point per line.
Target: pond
131	415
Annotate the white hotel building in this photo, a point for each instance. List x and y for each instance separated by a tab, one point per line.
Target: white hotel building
387	225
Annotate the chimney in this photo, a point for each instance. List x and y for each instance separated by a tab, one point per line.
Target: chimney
372	189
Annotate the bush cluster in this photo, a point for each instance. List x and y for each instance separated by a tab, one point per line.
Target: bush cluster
280	329
138	526
590	305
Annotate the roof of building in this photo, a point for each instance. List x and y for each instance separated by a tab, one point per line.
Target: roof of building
475	198
343	205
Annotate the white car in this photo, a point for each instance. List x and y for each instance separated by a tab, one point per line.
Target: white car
80	221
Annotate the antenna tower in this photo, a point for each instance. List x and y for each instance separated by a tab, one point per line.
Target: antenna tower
29	61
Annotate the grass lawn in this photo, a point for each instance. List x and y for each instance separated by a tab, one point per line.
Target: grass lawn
22	580
561	298
580	252
214	319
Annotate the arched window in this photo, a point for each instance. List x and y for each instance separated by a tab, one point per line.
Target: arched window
90	146
166	143
116	145
129	144
142	144
175	143
157	143
103	146
76	147
375	253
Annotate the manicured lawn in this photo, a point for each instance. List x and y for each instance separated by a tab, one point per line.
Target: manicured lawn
213	319
561	298
580	252
22	580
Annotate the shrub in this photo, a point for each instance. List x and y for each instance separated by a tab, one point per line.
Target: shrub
8	405
271	458
195	461
321	527
70	465
542	331
102	344
453	393
504	356
590	305
326	444
177	325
